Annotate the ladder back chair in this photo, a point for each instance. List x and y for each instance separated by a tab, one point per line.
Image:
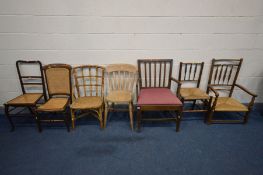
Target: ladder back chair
58	80
33	90
89	88
222	78
155	78
121	79
191	73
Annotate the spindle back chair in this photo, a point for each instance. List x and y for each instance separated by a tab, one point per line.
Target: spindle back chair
191	73
222	78
121	79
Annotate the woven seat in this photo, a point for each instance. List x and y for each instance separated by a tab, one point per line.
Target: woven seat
193	94
54	104
229	104
87	103
25	99
119	96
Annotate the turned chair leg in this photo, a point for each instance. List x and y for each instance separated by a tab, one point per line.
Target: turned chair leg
100	117
105	114
38	121
66	120
131	114
9	118
139	115
73	118
178	120
246	117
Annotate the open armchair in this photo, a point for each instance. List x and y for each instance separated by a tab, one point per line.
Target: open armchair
223	77
155	78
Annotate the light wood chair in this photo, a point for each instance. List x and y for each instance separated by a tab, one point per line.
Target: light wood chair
190	75
58	80
155	79
30	84
222	78
121	79
89	88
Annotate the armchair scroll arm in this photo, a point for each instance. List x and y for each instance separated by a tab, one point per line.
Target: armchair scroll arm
246	90
210	88
251	103
179	84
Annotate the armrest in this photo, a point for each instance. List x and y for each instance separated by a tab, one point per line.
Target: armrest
179	83
246	90
213	90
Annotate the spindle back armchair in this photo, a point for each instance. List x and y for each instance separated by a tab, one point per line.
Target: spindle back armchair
88	91
222	78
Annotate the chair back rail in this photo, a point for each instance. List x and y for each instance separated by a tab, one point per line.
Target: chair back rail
155	72
224	73
121	77
31	81
191	72
89	80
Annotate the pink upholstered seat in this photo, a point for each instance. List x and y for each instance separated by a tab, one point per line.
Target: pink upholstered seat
157	96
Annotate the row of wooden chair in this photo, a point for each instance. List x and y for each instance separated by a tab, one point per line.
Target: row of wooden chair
81	90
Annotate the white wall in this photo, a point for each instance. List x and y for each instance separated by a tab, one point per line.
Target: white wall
122	31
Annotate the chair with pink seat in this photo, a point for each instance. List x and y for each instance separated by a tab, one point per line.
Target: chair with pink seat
155	79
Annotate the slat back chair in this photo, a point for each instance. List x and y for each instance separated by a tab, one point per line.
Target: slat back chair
155	73
155	77
58	81
89	91
121	79
191	72
223	74
32	86
222	78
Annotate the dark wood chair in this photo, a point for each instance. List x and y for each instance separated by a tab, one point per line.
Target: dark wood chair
155	78
89	92
222	79
190	74
33	90
58	80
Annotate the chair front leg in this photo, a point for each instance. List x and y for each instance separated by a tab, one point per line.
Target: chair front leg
73	118
139	115
131	114
250	106
178	119
9	117
66	120
38	121
100	117
105	114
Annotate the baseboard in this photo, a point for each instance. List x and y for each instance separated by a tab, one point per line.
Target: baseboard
257	107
